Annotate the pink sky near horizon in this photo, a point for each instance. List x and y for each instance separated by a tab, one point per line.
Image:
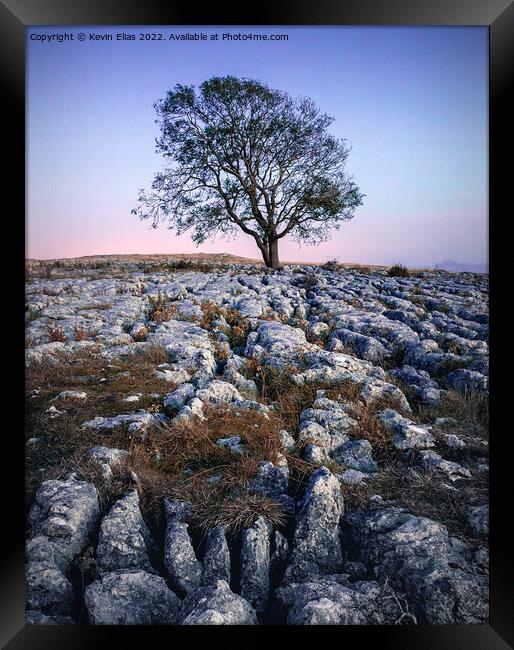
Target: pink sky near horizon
385	239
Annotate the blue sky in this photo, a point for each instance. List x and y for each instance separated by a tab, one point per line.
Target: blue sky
413	103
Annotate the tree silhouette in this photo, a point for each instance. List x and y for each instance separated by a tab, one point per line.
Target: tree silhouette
240	155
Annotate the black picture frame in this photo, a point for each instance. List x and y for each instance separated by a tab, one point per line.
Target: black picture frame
15	16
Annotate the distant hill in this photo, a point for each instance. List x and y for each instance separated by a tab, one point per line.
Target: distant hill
208	258
461	267
228	258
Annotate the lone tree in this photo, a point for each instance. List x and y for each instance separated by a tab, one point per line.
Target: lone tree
242	155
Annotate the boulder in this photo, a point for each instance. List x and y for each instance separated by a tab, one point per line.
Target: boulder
124	541
333	600
131	597
478	519
216	605
429	460
316	549
357	455
255	564
407	435
420	559
182	566
216	559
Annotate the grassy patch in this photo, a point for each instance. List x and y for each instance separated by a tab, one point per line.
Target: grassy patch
80	334
427	494
160	311
183	461
469	409
98	306
289	399
237	327
56	334
61	438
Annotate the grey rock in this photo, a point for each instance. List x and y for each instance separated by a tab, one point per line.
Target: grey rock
218	392
66	513
431	461
377	390
315	454
317	331
279	551
107	455
407	435
366	347
182	566
357	455
131	597
418	557
478	519
135	422
36	617
272	480
62	519
216	605
176	399
124	541
47	589
71	395
178	510
467	380
454	442
286	440
353	476
316	549
233	443
216	559
335	601
255	564
430	396
413	377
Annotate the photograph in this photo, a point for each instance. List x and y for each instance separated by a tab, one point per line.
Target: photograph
257	325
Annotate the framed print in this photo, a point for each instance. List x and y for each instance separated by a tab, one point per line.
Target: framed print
256	373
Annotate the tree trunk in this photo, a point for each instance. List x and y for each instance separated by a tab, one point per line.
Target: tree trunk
265	256
273	254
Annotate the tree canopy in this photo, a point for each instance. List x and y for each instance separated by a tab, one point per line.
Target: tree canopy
242	156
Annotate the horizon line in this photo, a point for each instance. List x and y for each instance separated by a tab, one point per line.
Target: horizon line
251	259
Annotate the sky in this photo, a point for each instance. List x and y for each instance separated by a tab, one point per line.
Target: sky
411	101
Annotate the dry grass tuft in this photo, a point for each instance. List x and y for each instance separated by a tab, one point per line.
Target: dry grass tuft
184	462
300	470
141	335
347	391
470	409
173	460
80	334
155	354
427	494
370	428
239	512
160	310
56	334
61	440
237	327
289	398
